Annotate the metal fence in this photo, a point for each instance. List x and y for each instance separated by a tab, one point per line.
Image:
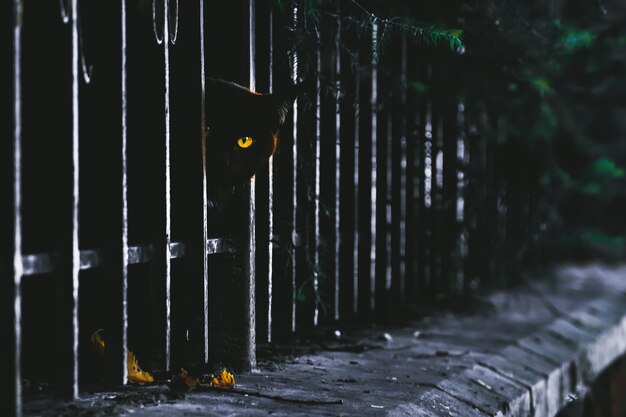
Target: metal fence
383	191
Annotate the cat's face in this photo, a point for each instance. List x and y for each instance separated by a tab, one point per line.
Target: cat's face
242	130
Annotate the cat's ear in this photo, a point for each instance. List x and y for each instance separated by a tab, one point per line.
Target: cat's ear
282	102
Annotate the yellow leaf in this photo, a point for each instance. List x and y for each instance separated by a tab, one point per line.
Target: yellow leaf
97	341
224	380
135	374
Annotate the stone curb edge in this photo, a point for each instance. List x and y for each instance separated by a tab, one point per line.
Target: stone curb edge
536	376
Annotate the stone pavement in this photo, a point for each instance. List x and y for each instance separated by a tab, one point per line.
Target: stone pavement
520	353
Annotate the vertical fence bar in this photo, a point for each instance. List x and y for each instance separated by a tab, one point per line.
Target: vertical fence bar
462	163
271	236
472	199
411	149
205	222
356	222
318	150
389	244
294	212
66	386
15	388
117	326
403	171
337	167
448	236
124	254
75	198
252	208
396	129
167	267
11	252
426	247
373	225
437	208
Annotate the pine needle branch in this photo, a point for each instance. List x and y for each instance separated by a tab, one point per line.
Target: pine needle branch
435	34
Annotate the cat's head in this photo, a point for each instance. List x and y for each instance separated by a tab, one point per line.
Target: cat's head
242	129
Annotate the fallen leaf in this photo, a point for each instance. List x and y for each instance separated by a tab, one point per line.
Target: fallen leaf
135	374
224	380
97	341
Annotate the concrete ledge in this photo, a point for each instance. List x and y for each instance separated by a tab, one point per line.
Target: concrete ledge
543	371
528	355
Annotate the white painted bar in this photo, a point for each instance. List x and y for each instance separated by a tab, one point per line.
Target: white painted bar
294	212
389	197
337	54
205	221
374	190
124	201
75	196
357	141
168	204
403	172
270	249
316	215
252	207
17	204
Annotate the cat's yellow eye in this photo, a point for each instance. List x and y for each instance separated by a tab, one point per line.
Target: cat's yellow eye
245	142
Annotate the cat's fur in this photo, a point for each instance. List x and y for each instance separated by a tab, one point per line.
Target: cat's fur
232	112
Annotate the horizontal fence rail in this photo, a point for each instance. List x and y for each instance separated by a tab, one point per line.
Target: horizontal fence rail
382	193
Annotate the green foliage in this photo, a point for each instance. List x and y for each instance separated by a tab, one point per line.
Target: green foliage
431	34
541	85
599	177
591	188
605	169
545	79
555	87
301	293
601	238
573	38
317	19
418	87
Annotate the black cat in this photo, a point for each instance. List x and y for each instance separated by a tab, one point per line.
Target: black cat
242	129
